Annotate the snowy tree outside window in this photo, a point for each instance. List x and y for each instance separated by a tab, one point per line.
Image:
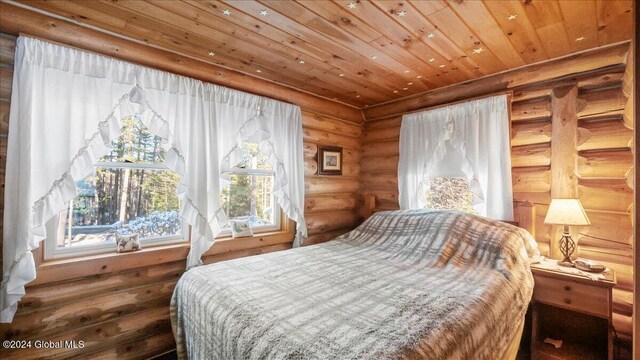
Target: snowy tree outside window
449	193
248	194
131	192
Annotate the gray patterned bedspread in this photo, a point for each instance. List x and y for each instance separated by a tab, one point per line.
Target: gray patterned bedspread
403	285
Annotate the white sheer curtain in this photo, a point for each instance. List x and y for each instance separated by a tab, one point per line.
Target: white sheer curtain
66	108
469	140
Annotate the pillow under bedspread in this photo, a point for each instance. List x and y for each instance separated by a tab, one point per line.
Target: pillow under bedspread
404	284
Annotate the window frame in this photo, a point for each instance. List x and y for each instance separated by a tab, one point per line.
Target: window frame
277	211
53	252
55	270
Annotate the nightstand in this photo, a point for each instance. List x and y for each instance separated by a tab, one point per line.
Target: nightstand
574	309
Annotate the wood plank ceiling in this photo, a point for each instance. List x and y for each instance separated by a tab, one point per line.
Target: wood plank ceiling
361	52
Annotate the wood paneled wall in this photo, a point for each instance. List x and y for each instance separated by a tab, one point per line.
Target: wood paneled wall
330	201
121	310
593	158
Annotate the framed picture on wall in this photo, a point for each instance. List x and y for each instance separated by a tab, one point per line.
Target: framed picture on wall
329	160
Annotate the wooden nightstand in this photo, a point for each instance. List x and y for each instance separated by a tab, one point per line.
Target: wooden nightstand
574	309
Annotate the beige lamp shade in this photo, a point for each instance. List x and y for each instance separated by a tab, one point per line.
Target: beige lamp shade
566	212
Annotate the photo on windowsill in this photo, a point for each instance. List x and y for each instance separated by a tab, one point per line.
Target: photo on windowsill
240	228
127	243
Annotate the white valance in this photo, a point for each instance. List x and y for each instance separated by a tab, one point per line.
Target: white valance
66	108
469	140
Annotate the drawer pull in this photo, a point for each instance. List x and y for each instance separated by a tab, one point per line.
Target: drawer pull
567	301
567	287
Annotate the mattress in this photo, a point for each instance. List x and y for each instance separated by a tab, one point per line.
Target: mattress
403	285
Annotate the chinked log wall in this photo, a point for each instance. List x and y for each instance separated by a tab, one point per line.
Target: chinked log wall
123	312
599	156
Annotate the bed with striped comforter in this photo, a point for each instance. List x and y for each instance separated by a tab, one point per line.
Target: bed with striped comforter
403	285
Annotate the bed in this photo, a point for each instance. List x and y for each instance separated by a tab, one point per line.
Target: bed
403	285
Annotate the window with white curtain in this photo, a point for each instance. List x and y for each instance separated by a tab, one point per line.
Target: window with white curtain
248	194
449	187
130	192
67	108
458	156
133	192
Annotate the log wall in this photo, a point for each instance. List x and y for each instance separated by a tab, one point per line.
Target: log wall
119	306
121	311
593	161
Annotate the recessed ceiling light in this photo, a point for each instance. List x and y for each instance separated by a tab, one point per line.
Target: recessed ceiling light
352	5
264	12
211	53
512	17
226	12
402	13
580	38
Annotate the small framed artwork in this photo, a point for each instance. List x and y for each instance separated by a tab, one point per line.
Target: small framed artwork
329	160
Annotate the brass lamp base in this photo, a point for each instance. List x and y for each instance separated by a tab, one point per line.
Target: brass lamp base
567	247
566	263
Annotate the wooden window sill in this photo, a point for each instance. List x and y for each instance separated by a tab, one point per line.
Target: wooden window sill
94	265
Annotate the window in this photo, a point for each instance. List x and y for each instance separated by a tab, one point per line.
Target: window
131	191
450	193
249	192
466	140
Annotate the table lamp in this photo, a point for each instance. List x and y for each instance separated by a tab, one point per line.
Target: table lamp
566	212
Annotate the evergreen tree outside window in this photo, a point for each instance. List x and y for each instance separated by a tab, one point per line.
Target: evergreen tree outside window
130	192
133	192
248	194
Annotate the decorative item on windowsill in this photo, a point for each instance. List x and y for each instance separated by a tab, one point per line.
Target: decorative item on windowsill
240	228
566	212
329	160
127	243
